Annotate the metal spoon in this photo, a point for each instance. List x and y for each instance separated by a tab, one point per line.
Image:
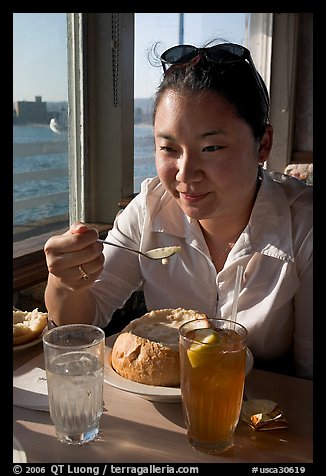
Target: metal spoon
156	253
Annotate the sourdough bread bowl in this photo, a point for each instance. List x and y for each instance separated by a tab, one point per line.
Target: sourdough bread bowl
28	325
147	349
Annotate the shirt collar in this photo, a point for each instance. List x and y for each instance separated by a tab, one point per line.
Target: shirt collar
268	231
270	224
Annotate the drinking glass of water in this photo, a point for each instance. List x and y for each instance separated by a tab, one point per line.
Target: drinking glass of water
74	364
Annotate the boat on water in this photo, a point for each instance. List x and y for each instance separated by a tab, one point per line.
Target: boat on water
57	127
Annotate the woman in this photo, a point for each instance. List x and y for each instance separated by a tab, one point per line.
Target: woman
213	198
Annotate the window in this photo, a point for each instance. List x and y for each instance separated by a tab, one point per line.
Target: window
40	108
100	148
101	98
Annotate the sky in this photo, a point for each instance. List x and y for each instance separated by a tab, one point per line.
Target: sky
40	59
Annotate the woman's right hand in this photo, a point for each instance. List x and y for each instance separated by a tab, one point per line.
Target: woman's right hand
66	253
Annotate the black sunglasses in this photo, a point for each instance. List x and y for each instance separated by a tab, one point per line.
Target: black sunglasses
224	53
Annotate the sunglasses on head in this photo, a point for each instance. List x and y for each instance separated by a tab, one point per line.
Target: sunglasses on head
225	53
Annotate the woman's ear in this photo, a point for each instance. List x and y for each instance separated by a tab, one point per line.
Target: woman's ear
265	144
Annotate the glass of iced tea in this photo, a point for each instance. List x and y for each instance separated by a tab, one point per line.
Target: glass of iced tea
74	363
212	376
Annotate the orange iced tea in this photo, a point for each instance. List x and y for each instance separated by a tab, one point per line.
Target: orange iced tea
212	366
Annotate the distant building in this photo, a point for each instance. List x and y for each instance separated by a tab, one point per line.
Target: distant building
143	108
25	112
138	115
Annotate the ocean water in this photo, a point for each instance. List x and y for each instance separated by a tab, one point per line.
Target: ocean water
143	154
30	134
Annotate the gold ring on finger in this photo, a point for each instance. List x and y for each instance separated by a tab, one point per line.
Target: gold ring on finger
84	275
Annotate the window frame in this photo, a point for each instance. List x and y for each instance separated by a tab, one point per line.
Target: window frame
100	96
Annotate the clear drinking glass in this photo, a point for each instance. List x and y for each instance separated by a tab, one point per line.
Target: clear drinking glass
212	376
74	364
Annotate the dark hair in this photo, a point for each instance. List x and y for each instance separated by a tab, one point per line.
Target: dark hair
235	82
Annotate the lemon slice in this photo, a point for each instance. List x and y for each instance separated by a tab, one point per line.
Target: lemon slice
200	353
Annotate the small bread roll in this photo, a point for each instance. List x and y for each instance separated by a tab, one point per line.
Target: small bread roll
147	349
27	326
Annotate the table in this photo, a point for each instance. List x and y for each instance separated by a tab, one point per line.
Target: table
135	430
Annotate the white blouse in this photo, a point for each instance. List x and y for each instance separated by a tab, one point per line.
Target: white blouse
276	250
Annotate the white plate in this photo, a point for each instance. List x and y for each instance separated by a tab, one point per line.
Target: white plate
19	455
35	341
149	392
